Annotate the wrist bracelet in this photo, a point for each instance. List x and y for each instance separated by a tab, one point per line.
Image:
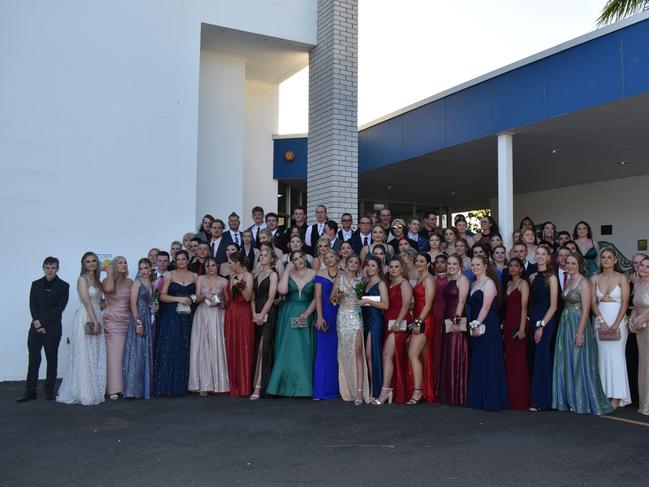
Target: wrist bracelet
540	324
474	324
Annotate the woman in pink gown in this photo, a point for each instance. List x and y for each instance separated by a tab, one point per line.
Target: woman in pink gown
117	291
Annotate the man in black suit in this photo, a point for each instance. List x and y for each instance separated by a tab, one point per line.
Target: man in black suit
315	231
47	300
346	232
258	219
519	250
363	236
272	220
218	243
299	221
233	234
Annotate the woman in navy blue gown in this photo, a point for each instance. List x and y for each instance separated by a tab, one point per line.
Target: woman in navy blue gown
171	357
373	322
544	297
325	370
487	380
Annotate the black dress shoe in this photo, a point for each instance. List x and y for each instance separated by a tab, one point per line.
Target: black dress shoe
50	396
27	396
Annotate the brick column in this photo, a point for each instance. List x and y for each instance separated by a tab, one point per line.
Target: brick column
332	171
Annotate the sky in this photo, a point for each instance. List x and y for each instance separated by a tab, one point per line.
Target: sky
409	50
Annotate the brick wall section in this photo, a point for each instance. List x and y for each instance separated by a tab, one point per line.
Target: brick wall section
332	170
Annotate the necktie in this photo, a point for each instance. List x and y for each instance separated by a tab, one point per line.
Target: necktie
319	229
213	248
236	238
565	279
365	241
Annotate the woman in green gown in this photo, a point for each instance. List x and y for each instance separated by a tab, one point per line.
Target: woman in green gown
295	341
576	385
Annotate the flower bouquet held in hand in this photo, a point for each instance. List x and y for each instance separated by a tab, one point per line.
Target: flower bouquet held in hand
155	303
238	286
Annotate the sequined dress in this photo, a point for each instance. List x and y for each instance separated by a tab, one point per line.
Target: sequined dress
84	379
208	367
576	385
348	324
641	307
137	362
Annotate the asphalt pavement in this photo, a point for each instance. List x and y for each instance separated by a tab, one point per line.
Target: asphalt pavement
234	441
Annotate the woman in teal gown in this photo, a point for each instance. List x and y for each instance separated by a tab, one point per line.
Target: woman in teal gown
576	385
292	373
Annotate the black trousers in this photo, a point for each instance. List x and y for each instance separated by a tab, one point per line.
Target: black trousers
36	342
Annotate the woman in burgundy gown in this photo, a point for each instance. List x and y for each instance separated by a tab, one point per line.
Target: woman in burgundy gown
239	331
439	306
420	347
515	330
454	364
395	354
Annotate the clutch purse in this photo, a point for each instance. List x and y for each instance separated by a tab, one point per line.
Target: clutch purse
89	328
376	299
213	302
609	335
392	325
298	323
183	309
450	326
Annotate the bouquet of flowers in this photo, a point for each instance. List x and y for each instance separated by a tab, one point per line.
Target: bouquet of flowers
238	287
359	288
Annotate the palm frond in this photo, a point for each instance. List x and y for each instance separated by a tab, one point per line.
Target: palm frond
615	10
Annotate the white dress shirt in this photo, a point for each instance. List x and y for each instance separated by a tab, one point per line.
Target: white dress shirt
307	235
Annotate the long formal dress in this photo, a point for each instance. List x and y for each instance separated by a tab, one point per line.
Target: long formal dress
399	382
137	363
433	339
641	307
590	259
487	380
84	379
373	327
208	366
612	353
239	343
292	373
454	362
439	308
348	324
576	385
518	378
171	353
325	369
541	387
264	334
117	316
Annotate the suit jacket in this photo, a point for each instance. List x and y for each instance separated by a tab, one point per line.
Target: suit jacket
313	243
219	253
227	236
342	238
47	306
357	242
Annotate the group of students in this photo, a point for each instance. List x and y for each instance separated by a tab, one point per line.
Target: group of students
396	312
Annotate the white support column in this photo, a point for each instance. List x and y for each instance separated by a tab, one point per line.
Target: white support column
506	187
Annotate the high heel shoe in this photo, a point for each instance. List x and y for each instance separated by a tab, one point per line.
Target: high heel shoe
413	400
388	397
358	402
255	394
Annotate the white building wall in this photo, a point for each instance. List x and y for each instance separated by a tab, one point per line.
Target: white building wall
623	203
262	118
221	135
98	133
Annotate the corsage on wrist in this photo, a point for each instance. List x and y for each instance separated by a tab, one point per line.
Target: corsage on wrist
540	324
192	297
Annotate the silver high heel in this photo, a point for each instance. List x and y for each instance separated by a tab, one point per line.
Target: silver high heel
378	401
358	402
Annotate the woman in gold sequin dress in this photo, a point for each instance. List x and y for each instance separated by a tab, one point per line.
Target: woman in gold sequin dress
352	368
639	324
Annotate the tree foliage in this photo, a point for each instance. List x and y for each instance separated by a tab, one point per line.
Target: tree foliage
615	10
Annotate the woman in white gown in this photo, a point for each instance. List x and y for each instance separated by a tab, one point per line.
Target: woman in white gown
84	379
610	302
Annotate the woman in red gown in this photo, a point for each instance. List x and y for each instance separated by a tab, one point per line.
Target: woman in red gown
421	345
395	354
239	329
454	363
515	332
